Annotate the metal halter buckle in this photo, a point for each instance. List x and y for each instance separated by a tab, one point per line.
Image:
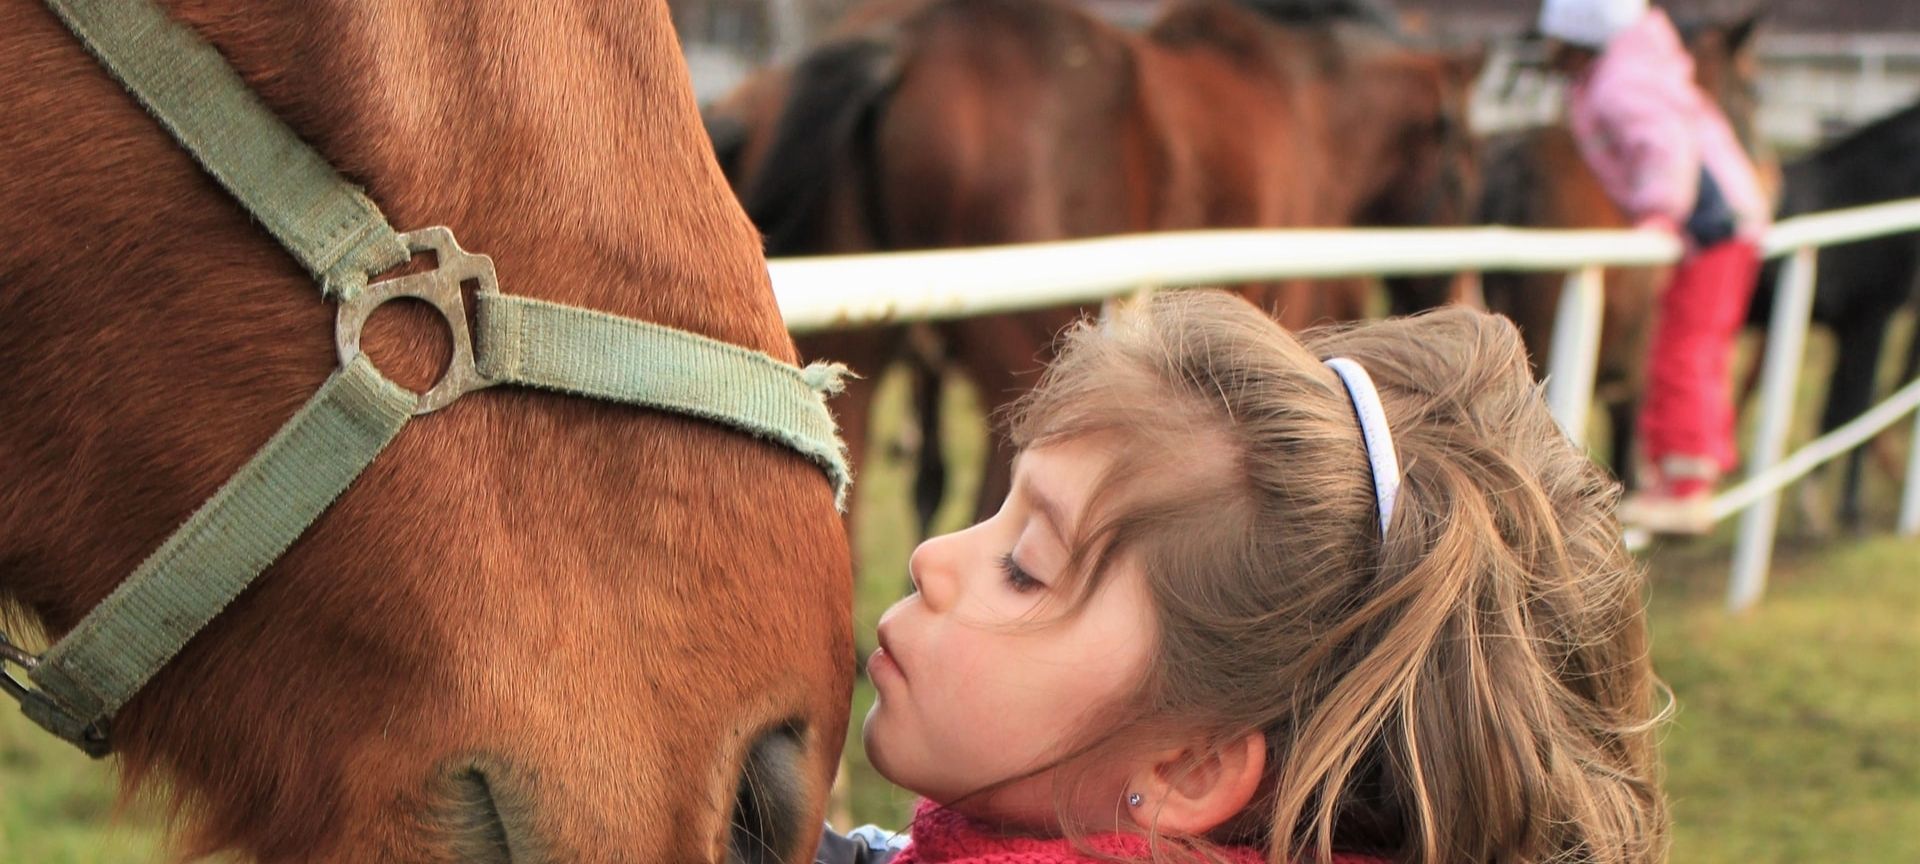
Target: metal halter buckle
440	287
91	738
10	653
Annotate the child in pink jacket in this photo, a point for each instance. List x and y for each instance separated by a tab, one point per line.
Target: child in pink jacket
1666	154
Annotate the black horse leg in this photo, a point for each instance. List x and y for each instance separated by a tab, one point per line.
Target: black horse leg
1850	394
1621	415
930	475
1409	294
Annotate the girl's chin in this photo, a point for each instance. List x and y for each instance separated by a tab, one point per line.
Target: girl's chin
881	742
887	754
1023	806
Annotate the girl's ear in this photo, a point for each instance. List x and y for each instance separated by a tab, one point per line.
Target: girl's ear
1190	793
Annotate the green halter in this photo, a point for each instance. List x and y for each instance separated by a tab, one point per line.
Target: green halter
340	237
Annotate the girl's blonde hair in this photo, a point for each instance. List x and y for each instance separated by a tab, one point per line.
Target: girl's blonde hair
1474	687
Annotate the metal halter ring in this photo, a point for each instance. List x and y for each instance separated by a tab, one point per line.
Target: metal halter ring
440	287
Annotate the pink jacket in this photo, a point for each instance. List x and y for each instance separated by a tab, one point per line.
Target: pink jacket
1646	130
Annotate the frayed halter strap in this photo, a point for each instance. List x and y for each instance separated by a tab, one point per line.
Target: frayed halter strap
340	237
1373	430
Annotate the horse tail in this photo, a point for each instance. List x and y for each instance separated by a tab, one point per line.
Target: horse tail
833	103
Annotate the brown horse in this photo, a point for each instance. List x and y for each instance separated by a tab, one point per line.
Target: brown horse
538	628
1537	178
973	122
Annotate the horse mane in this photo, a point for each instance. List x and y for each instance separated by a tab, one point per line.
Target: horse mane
1291	34
835	92
1690	27
1738	30
1375	13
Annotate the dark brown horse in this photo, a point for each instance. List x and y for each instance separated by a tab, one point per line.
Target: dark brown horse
972	122
1538	179
538	628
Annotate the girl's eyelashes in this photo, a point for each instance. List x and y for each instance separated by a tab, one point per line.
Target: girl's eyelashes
1017	578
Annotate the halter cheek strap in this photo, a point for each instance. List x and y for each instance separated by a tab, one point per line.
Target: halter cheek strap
1373	430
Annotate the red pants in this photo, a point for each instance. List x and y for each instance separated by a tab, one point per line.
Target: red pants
1688	409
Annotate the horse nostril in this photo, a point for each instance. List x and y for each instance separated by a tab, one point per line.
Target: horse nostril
770	799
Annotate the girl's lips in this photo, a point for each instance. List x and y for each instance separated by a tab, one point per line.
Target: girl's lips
881	660
881	663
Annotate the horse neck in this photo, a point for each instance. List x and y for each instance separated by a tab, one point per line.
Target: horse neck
1874	163
1356	90
493	121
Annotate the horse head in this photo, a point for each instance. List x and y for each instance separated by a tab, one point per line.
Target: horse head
1423	99
1726	66
537	628
1414	160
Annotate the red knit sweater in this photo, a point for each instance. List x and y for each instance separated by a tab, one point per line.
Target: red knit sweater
942	836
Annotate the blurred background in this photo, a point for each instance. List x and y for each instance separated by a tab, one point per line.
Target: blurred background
1797	735
1826	66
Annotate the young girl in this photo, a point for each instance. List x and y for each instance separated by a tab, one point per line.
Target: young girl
1349	597
1667	156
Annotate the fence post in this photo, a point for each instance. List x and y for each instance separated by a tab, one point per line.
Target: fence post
1910	494
1576	350
1780	377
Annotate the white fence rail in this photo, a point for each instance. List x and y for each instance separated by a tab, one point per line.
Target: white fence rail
836	291
845	291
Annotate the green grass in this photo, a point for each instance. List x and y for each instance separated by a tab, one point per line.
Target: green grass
1797	736
57	806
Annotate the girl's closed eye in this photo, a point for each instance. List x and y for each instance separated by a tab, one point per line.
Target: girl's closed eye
1017	577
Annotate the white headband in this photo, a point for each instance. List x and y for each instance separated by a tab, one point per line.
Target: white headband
1373	430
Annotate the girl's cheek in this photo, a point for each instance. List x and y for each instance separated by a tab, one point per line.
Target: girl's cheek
1001	609
984	685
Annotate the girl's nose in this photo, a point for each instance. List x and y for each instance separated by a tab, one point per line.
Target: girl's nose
931	567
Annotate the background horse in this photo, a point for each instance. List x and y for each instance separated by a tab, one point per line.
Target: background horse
974	122
538	628
1861	286
1538	179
